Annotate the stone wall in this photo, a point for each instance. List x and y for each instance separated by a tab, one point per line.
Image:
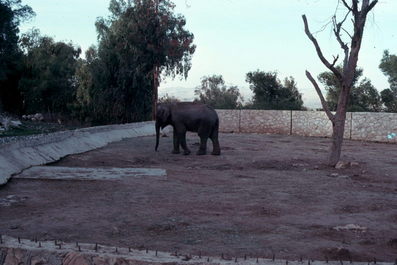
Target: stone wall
366	126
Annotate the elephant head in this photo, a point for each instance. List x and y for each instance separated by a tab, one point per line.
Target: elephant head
162	119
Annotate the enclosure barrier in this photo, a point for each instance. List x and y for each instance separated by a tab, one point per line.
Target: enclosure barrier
15	251
364	126
43	149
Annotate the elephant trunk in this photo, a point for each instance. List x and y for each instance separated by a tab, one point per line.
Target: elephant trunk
157	135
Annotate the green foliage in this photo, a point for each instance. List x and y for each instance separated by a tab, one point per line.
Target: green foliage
270	93
12	12
363	96
168	99
215	93
389	98
138	40
48	83
388	66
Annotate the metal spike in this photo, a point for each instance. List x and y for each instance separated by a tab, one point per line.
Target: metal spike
245	256
208	259
200	255
374	260
129	249
286	262
235	259
39	244
96	247
19	240
341	262
176	253
326	259
55	242
300	259
257	260
1	239
156	253
308	262
147	250
117	251
79	249
222	257
274	257
77	244
60	246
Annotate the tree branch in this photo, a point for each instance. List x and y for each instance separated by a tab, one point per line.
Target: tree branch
337	29
318	49
370	6
331	117
347	6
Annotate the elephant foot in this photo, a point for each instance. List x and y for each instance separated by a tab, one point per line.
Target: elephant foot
216	152
186	152
201	152
175	152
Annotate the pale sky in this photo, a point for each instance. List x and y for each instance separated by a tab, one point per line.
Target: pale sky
234	37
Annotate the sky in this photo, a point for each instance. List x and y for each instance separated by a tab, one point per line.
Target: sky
234	37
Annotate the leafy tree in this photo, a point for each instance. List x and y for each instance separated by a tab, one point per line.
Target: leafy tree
12	13
389	98
48	83
215	93
270	93
388	66
138	41
363	96
168	99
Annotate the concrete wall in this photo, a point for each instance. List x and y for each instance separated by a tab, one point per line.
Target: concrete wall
367	126
43	149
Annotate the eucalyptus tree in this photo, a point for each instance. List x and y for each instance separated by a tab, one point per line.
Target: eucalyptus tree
12	13
139	42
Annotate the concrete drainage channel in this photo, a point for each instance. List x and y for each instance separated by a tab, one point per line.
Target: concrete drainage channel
33	252
20	155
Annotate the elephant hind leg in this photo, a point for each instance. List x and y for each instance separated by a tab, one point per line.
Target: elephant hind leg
203	145
203	133
216	150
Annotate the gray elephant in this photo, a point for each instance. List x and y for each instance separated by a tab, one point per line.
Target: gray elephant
189	116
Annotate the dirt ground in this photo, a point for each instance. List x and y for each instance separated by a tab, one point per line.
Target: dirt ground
265	195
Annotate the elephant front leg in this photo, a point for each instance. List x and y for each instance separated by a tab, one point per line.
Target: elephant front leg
176	144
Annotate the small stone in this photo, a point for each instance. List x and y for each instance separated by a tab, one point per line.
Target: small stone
334	175
354	164
341	165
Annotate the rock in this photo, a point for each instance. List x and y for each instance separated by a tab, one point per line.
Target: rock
354	164
351	227
341	165
334	175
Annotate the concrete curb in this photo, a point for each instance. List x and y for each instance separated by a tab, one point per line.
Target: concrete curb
22	251
17	156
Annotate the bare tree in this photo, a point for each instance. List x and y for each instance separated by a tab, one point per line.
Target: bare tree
345	76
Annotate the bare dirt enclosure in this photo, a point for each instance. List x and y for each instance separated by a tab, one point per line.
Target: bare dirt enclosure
265	195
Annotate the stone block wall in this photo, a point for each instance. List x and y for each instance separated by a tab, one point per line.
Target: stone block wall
229	120
366	126
316	123
369	126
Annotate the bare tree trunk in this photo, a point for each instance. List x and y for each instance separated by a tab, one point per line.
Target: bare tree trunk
338	129
155	92
346	76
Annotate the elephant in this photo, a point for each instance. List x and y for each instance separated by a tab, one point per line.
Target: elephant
189	116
